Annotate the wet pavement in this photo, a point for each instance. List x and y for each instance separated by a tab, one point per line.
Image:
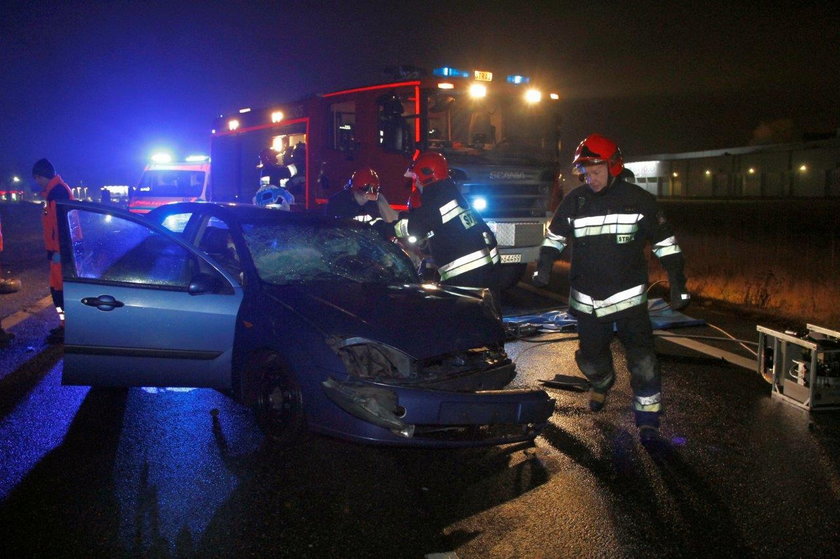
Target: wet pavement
166	473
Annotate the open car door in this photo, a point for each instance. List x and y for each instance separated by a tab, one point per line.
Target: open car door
143	308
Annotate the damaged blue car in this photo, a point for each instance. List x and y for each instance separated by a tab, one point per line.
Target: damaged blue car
317	324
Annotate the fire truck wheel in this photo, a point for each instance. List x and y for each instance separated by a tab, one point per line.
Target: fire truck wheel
510	274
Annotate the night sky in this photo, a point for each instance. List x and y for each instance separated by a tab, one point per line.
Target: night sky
96	86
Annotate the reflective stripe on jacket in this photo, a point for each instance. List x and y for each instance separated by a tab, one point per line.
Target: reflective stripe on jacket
608	232
459	239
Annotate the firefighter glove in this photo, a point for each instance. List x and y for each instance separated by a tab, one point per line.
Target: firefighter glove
544	265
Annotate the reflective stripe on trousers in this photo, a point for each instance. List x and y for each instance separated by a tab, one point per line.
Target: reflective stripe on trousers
594	356
626	299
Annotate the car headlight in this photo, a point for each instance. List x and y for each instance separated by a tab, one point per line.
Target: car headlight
369	359
373	404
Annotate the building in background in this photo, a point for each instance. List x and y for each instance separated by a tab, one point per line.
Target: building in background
808	169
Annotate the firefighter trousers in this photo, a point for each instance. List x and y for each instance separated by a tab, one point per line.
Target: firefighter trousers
594	358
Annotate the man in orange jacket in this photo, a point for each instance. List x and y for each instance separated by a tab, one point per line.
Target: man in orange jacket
52	190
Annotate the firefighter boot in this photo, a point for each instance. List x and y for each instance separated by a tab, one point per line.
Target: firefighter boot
648	423
598	394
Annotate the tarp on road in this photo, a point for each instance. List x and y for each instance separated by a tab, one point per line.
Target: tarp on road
662	317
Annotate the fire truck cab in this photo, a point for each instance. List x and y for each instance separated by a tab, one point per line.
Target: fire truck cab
500	137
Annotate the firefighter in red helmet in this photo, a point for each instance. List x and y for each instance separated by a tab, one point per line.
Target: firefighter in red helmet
459	241
362	200
608	222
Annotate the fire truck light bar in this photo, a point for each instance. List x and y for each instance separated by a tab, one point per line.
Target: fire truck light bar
448	72
518	80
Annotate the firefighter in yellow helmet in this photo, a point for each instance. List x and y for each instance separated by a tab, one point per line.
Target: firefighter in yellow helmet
272	192
608	222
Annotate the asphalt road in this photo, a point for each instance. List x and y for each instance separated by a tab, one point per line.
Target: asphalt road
165	473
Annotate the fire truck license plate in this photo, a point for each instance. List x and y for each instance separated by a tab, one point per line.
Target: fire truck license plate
511	258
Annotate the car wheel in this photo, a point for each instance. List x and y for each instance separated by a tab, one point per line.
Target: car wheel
279	404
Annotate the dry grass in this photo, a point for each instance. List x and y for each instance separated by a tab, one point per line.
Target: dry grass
779	258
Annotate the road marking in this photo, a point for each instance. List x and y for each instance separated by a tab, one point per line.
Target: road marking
14	319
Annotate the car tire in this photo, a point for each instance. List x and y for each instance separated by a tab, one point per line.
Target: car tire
279	402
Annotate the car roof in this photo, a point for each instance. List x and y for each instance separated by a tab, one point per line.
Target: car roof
239	212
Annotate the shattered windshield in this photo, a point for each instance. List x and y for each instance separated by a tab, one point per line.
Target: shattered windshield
498	128
296	252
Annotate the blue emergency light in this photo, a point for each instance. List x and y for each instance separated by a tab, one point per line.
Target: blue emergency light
479	203
448	72
161	157
516	79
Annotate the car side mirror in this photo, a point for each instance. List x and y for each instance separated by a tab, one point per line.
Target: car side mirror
204	283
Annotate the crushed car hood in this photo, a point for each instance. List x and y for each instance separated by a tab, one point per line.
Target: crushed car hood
422	321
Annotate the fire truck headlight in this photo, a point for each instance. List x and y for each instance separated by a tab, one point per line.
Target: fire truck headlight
478	90
479	204
533	96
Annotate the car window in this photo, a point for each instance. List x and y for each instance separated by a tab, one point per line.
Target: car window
177	222
216	241
294	252
113	249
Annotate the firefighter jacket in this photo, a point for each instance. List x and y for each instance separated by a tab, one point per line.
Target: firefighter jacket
459	240
56	189
608	232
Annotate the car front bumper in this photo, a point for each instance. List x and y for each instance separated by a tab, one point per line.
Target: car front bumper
428	417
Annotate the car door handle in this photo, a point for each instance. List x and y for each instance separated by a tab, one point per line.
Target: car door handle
103	302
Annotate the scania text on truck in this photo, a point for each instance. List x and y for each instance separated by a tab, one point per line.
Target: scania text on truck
500	137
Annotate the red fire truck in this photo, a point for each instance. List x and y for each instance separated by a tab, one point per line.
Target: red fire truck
500	137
